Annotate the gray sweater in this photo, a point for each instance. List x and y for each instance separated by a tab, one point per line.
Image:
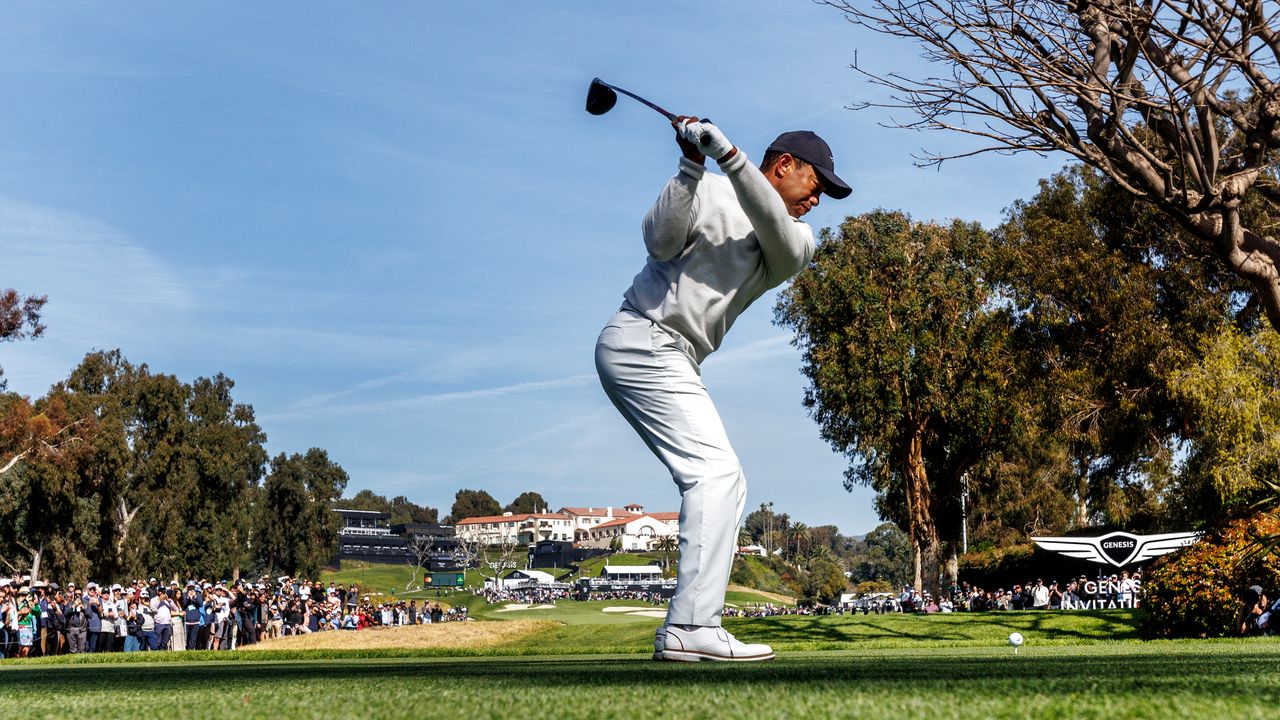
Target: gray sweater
716	244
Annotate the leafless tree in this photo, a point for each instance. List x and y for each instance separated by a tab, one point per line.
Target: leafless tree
501	555
419	547
467	551
1177	101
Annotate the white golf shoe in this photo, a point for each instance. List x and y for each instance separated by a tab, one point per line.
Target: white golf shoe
705	643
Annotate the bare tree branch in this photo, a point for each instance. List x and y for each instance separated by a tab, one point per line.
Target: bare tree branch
1175	100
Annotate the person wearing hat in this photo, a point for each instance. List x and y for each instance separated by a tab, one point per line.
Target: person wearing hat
715	244
75	620
162	608
1252	607
94	604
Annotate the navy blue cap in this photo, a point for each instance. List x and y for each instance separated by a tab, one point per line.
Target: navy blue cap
807	146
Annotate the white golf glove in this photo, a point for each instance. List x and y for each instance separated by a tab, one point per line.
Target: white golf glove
707	138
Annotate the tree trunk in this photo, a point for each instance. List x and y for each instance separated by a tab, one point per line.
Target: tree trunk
125	516
952	569
917	580
1082	500
920	510
36	556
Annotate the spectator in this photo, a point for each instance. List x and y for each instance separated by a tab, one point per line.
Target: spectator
1253	606
1040	596
192	612
162	609
76	619
25	622
133	628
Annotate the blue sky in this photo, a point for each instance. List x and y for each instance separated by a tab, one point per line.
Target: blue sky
396	229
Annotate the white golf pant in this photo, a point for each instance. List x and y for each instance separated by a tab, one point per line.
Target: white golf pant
657	387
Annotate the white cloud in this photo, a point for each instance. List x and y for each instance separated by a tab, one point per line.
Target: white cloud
105	290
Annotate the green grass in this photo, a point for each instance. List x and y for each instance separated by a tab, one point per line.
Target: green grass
596	665
1130	680
743	598
385	578
755	572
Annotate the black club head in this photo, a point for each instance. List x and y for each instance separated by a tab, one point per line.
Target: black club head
600	98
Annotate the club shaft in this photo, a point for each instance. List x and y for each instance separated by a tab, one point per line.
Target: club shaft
706	137
633	96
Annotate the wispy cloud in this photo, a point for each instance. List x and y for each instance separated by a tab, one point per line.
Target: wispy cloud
104	288
429	399
770	347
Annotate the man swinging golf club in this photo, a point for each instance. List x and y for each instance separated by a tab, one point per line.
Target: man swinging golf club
715	244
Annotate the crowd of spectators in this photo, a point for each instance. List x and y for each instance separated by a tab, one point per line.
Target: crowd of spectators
652	598
526	595
1121	590
1114	591
771	610
46	618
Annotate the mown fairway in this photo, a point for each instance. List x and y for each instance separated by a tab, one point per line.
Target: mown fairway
889	666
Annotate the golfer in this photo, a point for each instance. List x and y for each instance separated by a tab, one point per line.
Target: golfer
715	244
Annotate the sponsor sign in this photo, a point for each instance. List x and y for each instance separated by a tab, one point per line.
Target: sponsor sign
1118	548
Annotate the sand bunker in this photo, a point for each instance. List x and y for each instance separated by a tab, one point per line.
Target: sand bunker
641	611
521	606
473	634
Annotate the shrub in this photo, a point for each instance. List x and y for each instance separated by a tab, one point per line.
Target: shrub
1195	592
866	587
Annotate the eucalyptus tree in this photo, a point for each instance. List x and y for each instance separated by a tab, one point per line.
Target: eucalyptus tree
1110	299
908	365
297	528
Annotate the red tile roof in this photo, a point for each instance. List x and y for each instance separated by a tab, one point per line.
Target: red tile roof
512	518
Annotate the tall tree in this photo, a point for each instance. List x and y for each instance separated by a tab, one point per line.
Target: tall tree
296	524
1177	102
282	532
172	471
48	517
137	454
907	363
766	526
527	502
1099	331
473	503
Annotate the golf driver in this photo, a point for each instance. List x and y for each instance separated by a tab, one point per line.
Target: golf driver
601	97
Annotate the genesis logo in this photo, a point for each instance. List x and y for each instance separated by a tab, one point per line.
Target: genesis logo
1117	548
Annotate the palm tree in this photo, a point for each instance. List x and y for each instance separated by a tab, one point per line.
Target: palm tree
665	544
798	533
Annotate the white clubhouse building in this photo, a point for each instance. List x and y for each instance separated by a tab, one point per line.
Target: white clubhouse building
586	526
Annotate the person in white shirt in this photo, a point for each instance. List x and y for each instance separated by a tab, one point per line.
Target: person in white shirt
163	608
1040	596
715	244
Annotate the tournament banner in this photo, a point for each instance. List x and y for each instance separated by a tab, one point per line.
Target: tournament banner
1118	548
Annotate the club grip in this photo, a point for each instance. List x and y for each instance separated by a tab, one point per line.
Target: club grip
706	136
